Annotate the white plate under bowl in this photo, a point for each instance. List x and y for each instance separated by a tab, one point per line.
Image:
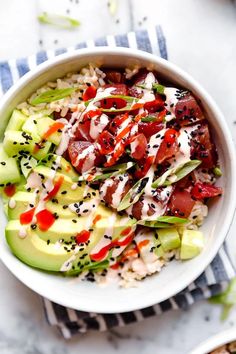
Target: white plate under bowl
216	341
177	275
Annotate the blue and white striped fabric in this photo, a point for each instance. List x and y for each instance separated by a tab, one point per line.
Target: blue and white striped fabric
210	283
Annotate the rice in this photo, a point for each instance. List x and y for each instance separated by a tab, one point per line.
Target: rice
88	75
199	212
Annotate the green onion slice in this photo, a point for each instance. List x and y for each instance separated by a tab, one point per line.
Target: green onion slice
52	95
61	21
177	173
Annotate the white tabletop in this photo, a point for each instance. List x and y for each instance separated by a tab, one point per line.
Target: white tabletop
201	39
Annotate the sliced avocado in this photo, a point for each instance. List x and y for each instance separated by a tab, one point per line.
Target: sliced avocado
66	193
60	238
34	251
27	164
67	228
169	238
65	166
20	201
192	244
15	141
16	121
60	211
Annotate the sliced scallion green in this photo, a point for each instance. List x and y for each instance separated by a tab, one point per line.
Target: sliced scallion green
52	95
61	21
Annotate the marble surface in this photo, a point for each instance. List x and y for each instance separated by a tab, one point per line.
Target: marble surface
201	39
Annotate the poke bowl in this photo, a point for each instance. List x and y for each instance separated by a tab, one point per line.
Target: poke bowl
117	176
221	343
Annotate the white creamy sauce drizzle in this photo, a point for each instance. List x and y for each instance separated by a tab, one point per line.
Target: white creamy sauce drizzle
133	145
12	203
103	189
109	232
98	125
147	93
88	162
184	139
134	129
90	217
74	186
117	195
22	231
33	181
148	201
155	142
101	94
117	251
123	125
171	101
184	154
86	189
146	255
65	138
69	129
67	265
49	185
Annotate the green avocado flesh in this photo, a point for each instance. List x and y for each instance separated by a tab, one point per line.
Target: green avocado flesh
51	250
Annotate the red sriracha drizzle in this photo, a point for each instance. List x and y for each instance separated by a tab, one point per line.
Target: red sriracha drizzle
52	129
55	189
45	219
10	190
82	236
27	216
99	256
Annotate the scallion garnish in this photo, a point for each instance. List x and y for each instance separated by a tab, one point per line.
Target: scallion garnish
61	21
52	95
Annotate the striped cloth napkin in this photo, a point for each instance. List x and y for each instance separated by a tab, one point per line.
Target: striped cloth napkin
217	274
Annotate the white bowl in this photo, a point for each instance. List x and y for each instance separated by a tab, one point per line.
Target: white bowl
177	275
216	341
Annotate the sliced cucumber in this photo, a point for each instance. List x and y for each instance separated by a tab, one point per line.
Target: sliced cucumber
16	121
9	172
43	125
30	127
15	141
27	164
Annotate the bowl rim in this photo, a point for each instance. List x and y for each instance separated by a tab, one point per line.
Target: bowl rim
142	56
216	341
